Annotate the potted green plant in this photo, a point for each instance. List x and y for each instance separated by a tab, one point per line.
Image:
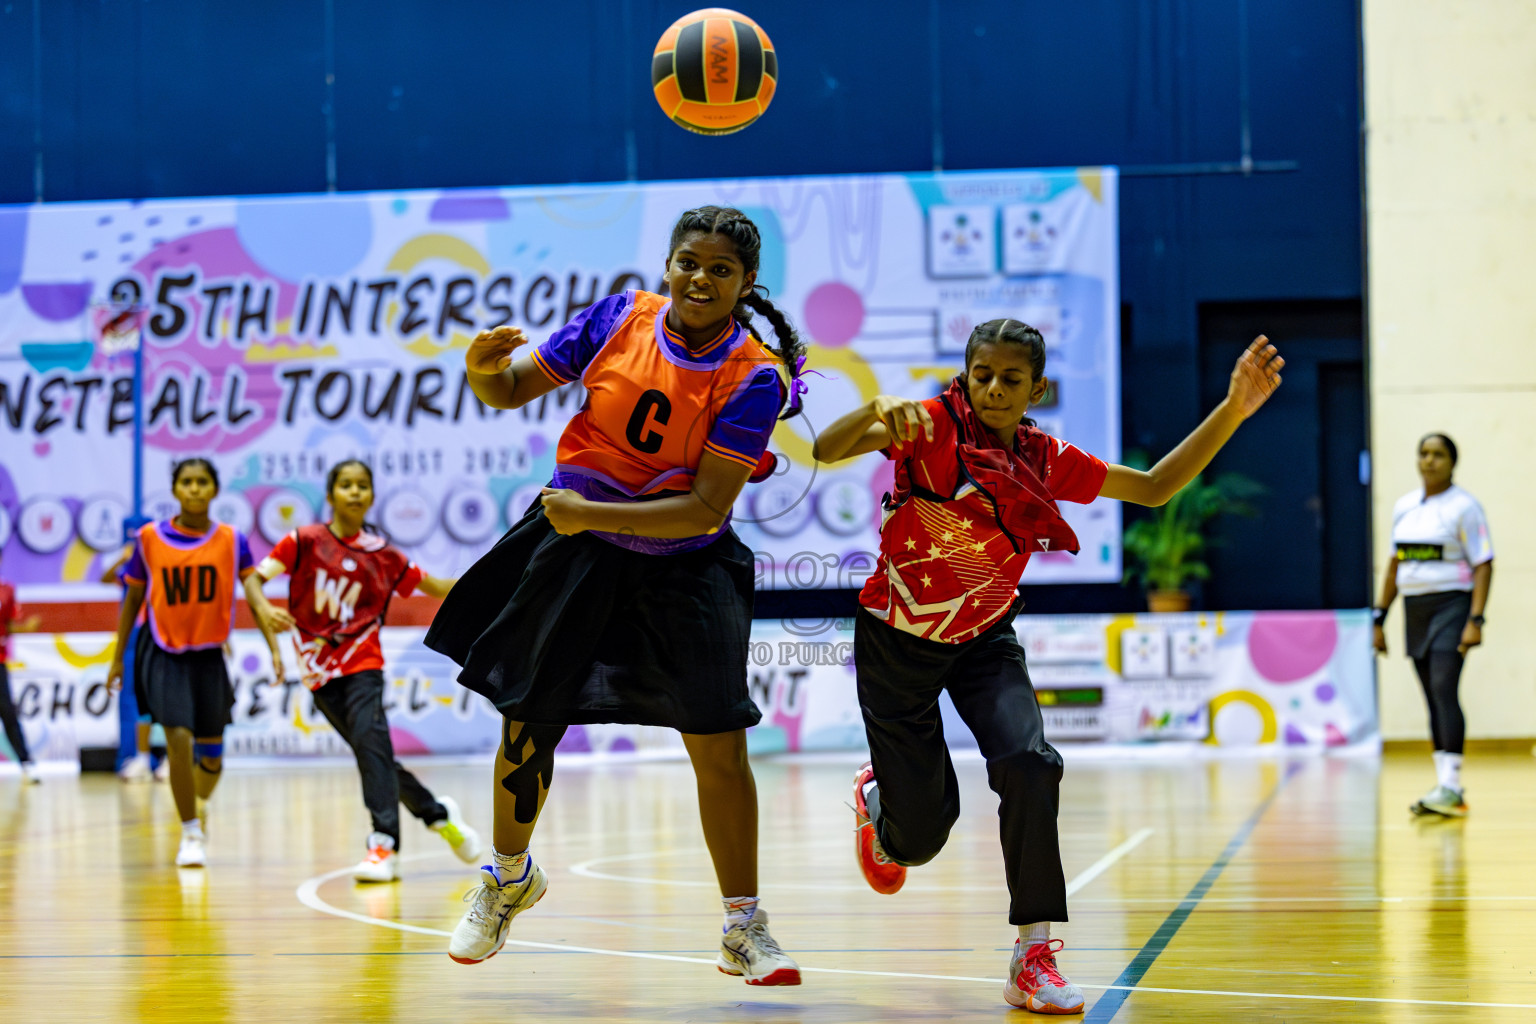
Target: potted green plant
1164	551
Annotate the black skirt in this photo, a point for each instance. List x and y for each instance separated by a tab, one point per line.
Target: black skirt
558	630
186	689
1434	621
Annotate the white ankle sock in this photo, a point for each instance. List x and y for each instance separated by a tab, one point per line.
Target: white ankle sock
738	910
1030	934
1448	769
513	867
192	828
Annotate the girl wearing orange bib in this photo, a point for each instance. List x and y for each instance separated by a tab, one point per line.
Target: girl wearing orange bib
623	595
186	568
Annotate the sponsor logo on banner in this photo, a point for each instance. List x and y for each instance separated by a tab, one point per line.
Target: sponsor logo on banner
283	511
100	523
44	525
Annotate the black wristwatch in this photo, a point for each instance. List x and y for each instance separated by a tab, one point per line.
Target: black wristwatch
1476	620
1378	616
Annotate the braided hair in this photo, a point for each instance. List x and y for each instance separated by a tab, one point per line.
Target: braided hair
738	227
1011	332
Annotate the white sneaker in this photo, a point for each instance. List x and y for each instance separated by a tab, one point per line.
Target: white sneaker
381	864
135	769
163	770
1035	984
192	853
483	930
464	840
748	951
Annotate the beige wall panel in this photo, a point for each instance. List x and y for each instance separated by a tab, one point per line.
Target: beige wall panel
1451	231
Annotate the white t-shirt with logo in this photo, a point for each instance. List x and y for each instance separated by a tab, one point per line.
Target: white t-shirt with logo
1438	541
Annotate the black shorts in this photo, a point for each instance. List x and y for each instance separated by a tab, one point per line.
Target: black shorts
186	690
559	630
1433	622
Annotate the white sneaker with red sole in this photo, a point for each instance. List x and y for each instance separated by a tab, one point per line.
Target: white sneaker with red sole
748	951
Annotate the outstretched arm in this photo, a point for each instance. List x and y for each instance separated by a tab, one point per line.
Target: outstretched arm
435	586
498	381
876	424
1254	379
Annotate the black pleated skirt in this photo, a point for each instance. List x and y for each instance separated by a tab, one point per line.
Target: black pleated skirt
558	630
187	689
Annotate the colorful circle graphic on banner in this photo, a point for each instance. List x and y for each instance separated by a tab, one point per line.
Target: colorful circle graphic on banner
780	508
469	515
1241	718
44	525
162	506
5	525
1289	646
100	523
408	517
845	507
520	501
233	509
282	511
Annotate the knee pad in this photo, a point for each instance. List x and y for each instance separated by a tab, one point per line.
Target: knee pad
532	752
203	752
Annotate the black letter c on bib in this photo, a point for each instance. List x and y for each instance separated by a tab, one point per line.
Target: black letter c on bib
651	401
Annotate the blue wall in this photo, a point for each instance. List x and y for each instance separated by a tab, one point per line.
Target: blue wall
145	98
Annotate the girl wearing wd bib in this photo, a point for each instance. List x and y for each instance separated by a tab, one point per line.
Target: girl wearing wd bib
975	495
341	580
1442	562
186	568
623	595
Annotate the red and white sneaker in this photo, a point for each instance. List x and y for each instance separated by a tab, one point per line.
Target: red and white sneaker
380	864
1034	983
883	874
748	951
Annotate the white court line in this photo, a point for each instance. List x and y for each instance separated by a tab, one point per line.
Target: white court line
308	894
1107	861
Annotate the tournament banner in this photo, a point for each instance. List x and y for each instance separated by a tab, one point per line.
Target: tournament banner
1235	680
280	335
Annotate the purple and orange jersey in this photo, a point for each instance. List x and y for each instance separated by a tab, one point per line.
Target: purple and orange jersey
654	407
189	582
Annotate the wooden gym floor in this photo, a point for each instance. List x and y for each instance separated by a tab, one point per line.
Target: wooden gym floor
1229	890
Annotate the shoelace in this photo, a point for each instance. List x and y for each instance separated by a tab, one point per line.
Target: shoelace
1044	961
482	898
761	938
880	857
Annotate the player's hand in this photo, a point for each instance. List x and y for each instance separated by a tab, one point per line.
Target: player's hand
1471	636
564	509
278	619
115	675
491	351
1379	639
279	675
903	417
1255	377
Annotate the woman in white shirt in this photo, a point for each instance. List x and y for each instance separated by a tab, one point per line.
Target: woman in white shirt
1442	562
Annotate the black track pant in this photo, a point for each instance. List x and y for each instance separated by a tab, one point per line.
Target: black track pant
1440	675
354	705
13	731
917	800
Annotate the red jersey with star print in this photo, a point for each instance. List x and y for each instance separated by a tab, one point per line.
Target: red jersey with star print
947	570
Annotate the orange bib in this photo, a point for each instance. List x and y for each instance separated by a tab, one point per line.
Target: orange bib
191	590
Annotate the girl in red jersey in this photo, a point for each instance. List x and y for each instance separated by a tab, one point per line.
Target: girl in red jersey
623	596
976	492
187	568
341	580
